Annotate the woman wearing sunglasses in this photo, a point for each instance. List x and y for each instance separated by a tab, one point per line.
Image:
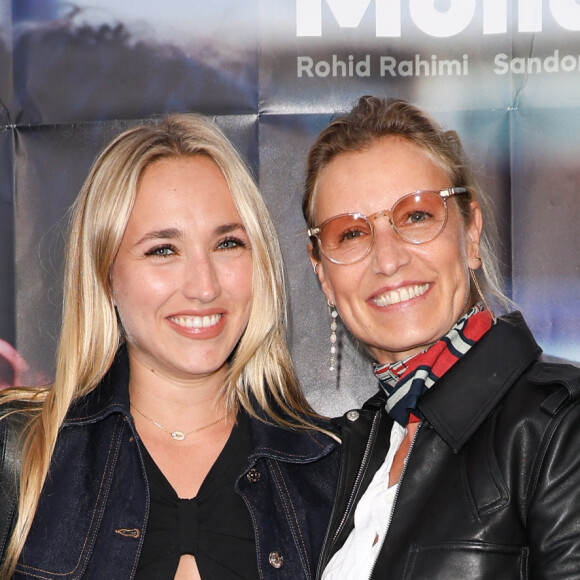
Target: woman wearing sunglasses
466	464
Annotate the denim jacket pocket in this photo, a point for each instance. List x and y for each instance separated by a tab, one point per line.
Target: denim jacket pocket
74	499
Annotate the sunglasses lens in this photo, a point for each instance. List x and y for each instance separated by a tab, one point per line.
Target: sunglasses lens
346	239
419	217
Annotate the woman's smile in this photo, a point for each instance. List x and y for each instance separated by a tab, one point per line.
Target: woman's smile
398	295
196	322
199	327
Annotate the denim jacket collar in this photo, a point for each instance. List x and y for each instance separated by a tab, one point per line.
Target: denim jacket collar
289	446
111	395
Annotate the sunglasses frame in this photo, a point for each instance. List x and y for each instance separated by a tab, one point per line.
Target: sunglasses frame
444	194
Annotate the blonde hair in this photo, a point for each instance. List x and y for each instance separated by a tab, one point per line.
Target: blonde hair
260	373
372	119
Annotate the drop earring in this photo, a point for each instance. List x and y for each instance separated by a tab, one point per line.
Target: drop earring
333	327
478	288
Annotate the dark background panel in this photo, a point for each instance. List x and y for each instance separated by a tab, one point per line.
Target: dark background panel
7	327
243	132
5	61
7	287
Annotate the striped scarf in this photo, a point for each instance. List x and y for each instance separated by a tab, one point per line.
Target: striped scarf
405	381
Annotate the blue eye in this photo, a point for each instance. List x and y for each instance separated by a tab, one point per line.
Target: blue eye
351	234
231	243
418	216
161	251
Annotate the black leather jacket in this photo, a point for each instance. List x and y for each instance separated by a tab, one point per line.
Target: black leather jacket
491	488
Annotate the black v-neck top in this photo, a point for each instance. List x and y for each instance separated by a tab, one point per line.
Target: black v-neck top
215	526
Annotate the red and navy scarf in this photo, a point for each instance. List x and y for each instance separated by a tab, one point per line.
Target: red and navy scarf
405	381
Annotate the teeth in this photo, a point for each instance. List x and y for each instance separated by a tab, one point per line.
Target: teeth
401	295
196	321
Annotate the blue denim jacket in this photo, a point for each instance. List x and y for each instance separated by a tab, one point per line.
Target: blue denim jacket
92	515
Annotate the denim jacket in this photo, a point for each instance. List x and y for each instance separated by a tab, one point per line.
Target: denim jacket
93	510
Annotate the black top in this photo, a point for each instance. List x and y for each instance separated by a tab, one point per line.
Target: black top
215	526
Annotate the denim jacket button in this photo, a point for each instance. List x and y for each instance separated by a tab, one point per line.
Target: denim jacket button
276	560
253	475
352	415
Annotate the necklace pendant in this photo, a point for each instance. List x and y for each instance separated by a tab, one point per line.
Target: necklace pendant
178	435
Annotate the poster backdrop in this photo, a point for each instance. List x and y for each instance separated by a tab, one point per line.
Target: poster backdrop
504	73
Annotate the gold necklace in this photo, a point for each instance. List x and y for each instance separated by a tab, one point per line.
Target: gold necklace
177	435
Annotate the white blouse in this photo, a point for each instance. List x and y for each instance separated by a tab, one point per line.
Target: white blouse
356	558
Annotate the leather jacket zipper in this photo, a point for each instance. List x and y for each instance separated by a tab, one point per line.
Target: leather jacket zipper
367	452
395	499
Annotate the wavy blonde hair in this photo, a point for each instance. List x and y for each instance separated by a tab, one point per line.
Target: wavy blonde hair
260	371
372	119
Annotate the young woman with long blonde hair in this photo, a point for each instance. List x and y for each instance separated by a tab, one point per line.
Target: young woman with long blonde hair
174	441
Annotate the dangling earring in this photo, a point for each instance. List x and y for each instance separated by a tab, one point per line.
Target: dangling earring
478	288
333	327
